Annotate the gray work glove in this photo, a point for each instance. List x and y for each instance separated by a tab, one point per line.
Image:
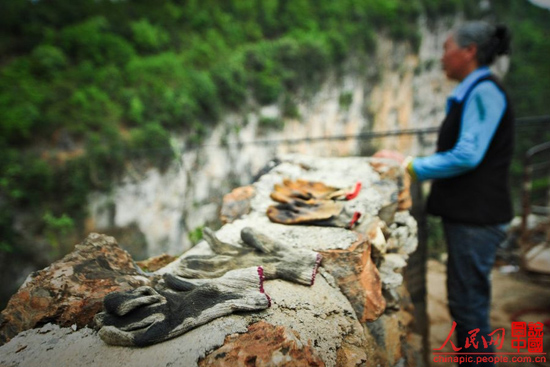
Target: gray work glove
277	260
146	316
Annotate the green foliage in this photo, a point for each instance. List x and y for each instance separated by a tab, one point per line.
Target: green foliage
529	74
263	72
151	142
230	79
199	133
205	50
195	235
93	108
73	185
57	225
270	122
120	76
148	37
6	227
528	77
205	93
21	98
151	136
136	109
290	108
47	60
92	41
436	238
436	8
5	247
526	138
24	179
56	229
104	157
345	100
306	55
175	95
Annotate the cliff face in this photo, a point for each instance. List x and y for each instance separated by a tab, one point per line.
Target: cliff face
399	89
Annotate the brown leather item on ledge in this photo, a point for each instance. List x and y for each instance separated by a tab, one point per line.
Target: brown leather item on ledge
306	190
313	212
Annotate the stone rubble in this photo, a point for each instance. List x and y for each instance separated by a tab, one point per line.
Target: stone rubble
71	290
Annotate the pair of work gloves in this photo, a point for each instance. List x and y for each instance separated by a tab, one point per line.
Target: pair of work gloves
313	203
204	288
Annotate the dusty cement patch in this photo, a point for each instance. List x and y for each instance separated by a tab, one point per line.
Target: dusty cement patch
52	346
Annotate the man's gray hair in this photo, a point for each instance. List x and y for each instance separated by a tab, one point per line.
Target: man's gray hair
491	41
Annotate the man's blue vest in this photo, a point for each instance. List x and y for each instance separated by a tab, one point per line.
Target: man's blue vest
482	195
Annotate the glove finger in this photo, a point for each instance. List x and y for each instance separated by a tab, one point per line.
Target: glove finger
242	275
319	211
114	336
132	334
279	214
346	218
258	240
291	192
292	207
316	189
99	319
280	197
177	284
218	246
130	305
205	266
143	322
298	266
246	287
311	204
121	303
139	318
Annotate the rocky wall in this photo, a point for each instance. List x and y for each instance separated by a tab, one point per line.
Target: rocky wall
397	89
357	312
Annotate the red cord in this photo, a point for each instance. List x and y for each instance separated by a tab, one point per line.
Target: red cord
354	219
355	192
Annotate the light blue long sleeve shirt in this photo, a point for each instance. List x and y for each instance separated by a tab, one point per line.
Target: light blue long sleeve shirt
481	115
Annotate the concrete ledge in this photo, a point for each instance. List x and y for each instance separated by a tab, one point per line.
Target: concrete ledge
357	313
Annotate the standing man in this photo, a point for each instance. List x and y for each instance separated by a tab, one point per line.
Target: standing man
470	173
